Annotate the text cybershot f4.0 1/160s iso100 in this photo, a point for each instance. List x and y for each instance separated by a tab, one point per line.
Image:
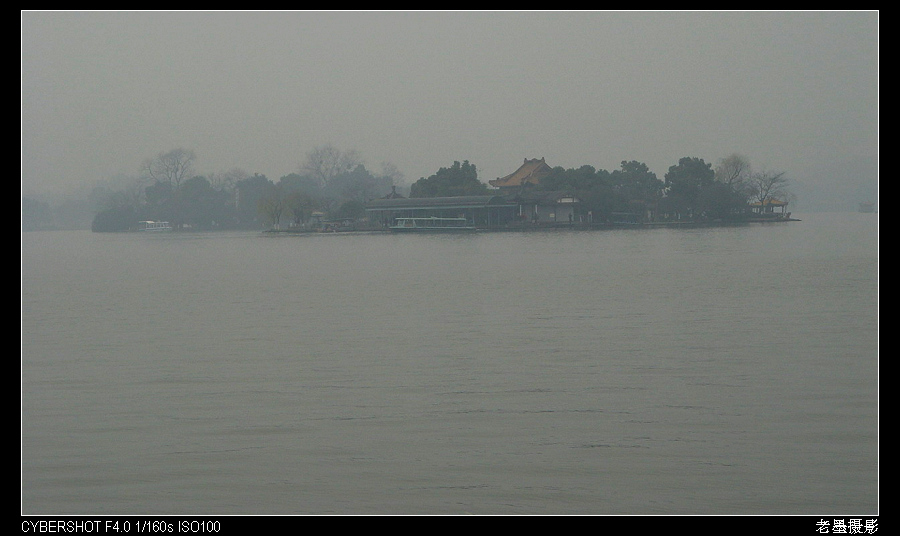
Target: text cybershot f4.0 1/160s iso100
124	526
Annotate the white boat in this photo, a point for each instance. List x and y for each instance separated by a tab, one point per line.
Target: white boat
431	225
154	226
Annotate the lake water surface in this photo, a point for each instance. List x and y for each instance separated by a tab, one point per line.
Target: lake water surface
727	370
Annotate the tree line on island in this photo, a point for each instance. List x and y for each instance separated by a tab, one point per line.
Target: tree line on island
336	185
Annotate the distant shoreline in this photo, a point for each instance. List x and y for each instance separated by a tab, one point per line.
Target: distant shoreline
539	227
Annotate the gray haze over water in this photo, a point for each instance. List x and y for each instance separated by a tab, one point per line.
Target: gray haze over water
728	370
792	91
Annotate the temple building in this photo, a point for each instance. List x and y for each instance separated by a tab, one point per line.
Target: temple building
529	173
515	203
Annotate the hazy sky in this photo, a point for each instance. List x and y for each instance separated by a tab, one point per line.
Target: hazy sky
102	91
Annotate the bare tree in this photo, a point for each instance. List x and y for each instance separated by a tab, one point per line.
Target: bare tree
325	163
171	167
226	180
388	169
767	186
733	171
272	206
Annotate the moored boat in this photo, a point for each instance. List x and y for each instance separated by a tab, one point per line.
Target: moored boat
154	226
